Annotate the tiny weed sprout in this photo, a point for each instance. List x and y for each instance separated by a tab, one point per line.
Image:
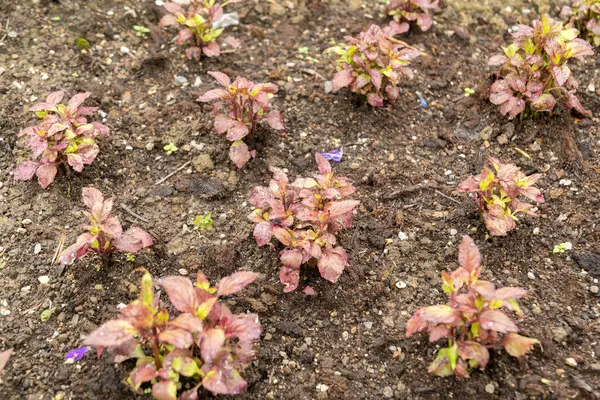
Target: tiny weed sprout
473	319
64	136
141	30
497	190
205	343
534	75
104	234
305	216
562	247
199	26
406	12
372	63
170	149
240	106
203	222
585	16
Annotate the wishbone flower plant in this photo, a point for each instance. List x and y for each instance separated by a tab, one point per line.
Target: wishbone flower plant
64	136
474	319
205	344
534	75
497	190
585	16
305	216
406	12
198	26
104	234
373	64
238	109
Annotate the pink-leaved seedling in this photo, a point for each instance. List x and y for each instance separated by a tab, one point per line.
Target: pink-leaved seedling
585	16
497	190
104	235
304	216
198	26
373	64
205	343
406	12
474	319
534	75
238	109
64	136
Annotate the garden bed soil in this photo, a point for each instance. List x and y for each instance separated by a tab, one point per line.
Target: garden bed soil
347	341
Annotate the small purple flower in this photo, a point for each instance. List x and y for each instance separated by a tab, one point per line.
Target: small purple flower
334	155
76	354
422	101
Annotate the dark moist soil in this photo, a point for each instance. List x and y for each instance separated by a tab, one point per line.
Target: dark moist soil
347	341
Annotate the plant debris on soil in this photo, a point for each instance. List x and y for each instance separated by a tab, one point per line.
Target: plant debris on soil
347	341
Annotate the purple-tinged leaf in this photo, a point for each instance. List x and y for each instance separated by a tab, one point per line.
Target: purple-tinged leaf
517	345
237	130
164	390
26	170
221	78
180	338
235	282
468	254
214	94
181	293
46	174
496	320
211	50
212	341
239	153
342	79
112	334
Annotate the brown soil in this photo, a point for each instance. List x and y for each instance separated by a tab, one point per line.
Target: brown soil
401	158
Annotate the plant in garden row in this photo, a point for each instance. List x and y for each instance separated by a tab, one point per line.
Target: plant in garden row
585	16
373	64
406	12
497	190
240	106
64	136
205	343
534	75
305	216
104	235
198	26
473	320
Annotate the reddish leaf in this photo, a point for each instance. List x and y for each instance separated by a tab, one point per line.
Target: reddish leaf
142	373
188	322
174	8
246	328
508	293
322	163
214	94
77	100
441	314
212	50
498	59
517	345
212	341
112	334
181	293
235	282
25	170
224	381
237	130
497	321
375	99
239	153
133	240
291	258
222	123
168	20
46	174
342	79
338	208
55	98
468	254
290	277
263	233
475	352
439	332
275	120
179	338
221	78
332	263
164	390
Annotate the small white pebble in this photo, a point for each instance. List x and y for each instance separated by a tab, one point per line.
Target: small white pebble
530	275
183	271
124	49
536	231
571	362
44	279
400	284
453	232
402	236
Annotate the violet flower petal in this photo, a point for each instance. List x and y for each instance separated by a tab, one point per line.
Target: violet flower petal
334	155
76	354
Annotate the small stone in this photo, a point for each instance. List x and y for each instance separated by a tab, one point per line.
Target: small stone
531	276
182	80
402	236
559	334
183	271
388	392
197	82
571	362
536	309
25	289
594	289
502	139
44	279
486	133
595	367
565	182
536	231
400	284
150	146
308	341
355	165
453	232
26	222
12	34
368	325
203	163
490	388
277	10
328	86
268	336
124	49
37	248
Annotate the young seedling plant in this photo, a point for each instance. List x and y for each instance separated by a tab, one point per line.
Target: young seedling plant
585	16
104	235
205	342
238	109
474	319
497	190
304	216
406	12
64	136
534	74
198	26
373	65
